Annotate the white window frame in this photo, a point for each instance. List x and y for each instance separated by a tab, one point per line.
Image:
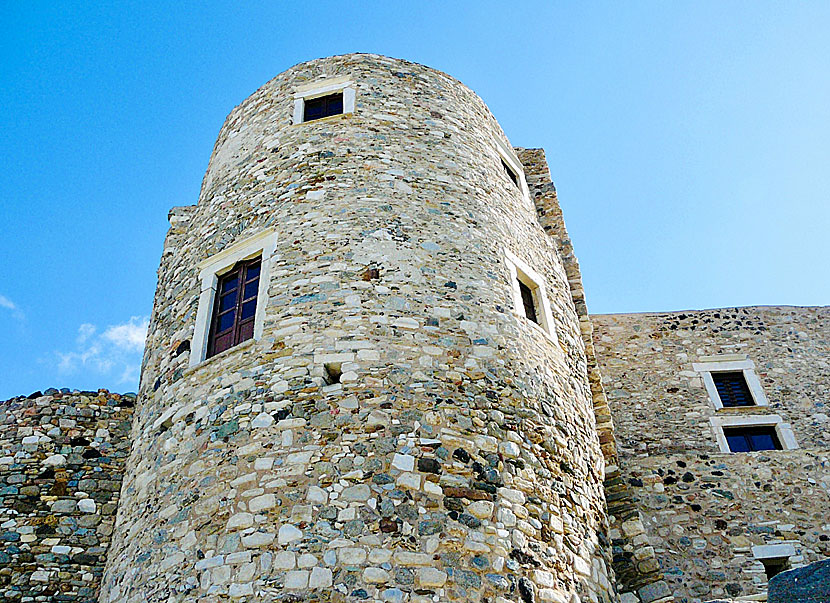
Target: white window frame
507	155
730	363
783	430
520	271
323	88
262	245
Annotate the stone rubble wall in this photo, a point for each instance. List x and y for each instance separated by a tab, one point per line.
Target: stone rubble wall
62	458
456	460
705	509
637	571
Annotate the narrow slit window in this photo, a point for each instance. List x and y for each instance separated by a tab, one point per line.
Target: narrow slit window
235	307
528	302
732	389
323	106
514	178
751	439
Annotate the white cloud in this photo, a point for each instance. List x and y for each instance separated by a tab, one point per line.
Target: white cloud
129	336
116	351
8	304
85	331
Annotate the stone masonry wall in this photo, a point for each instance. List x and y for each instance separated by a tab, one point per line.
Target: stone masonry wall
62	458
456	460
637	571
705	509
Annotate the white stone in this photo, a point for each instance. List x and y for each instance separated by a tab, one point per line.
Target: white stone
411	481
375	575
284	560
483	509
403	462
307	560
86	505
56	460
351	556
260	503
510	449
240	590
263	463
258	539
320	578
430	577
317	495
296	580
240	521
408	558
289	534
262	420
360	492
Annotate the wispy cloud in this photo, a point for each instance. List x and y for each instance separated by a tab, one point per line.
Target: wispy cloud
115	351
8	304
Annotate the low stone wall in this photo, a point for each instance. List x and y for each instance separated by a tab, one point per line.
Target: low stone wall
61	463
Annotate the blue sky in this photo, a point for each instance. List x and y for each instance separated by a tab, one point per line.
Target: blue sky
690	145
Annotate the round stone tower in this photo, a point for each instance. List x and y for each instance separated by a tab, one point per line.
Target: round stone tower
364	377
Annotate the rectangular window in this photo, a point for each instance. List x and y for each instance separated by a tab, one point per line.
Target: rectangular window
323	106
235	306
732	389
528	302
750	439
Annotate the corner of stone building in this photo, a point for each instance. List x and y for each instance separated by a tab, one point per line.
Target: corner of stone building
638	574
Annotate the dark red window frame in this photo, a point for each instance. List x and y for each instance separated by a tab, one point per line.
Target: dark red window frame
234	307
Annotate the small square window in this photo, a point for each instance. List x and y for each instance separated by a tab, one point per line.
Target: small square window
323	106
326	97
732	389
751	439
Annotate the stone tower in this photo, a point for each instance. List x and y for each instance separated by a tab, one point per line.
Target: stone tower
403	413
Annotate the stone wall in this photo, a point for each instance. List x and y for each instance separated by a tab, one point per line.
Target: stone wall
456	460
705	509
62	458
638	576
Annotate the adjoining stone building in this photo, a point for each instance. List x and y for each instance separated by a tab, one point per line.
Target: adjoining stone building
685	388
371	375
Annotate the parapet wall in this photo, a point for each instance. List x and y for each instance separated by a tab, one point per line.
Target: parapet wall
707	511
61	462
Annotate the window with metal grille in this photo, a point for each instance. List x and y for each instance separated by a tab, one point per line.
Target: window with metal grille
510	173
732	389
235	307
750	439
323	106
528	302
